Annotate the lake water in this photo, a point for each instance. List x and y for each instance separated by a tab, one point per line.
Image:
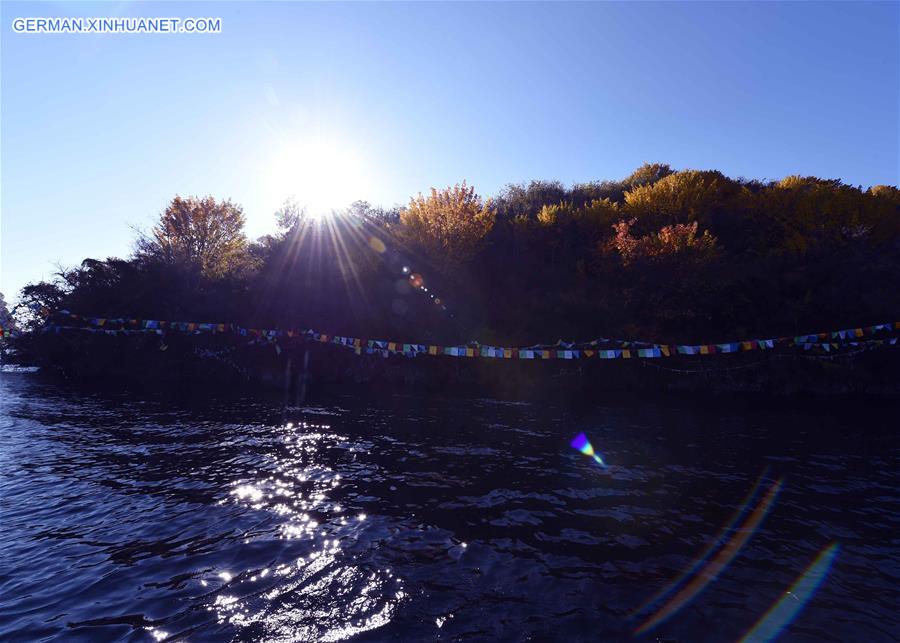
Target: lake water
409	519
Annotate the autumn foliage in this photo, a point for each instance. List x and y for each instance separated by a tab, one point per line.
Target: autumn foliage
669	255
679	239
450	224
198	232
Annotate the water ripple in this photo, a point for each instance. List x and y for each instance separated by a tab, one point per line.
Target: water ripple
145	519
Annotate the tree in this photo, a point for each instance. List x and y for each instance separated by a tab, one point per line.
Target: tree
364	211
6	322
202	234
648	174
679	239
450	225
888	192
683	197
812	215
289	215
555	214
527	200
36	302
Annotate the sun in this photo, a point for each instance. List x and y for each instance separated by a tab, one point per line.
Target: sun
320	175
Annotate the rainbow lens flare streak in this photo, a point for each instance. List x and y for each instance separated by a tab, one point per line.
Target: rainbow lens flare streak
582	444
782	613
701	558
717	565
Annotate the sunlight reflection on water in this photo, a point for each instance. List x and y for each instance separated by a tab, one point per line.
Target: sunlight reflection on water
297	490
128	520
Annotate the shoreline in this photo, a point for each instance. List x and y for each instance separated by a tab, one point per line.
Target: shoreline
788	378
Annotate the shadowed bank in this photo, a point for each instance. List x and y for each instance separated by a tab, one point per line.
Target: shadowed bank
672	257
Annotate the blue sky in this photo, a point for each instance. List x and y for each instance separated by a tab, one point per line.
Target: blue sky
337	102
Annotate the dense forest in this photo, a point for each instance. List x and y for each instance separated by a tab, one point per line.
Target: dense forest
662	255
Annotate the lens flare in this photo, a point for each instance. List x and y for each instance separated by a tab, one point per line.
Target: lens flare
718	564
581	443
715	542
783	613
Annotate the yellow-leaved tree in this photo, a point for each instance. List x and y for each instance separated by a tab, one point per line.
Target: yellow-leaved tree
199	233
683	197
449	225
887	192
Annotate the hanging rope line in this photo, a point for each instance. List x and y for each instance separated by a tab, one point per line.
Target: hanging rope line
826	344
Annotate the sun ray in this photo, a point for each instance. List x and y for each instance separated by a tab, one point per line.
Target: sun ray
321	174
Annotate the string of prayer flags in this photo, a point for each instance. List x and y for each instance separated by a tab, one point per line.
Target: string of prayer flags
826	343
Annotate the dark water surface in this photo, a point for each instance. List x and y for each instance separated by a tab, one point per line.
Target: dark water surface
413	519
